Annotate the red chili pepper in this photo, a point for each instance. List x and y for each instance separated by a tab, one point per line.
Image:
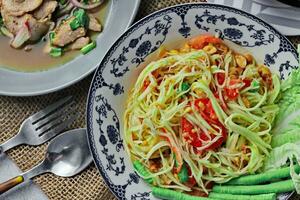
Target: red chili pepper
146	84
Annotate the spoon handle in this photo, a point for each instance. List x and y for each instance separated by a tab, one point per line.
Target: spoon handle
11	183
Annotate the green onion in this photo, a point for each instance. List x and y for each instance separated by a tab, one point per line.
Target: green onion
75	24
85	1
141	169
263	177
255	84
271	196
62	2
174	195
51	36
89	47
276	187
82	17
183	175
185	86
56	52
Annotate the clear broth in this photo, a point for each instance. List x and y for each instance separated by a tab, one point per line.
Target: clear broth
36	59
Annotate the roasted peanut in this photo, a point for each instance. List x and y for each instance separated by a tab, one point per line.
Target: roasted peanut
210	49
240	61
249	58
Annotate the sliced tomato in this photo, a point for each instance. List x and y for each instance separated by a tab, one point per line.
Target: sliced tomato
247	83
202	40
232	94
220	141
191	136
195	141
192	181
207	111
220	77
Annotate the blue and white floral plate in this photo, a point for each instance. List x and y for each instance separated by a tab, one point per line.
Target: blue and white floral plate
120	67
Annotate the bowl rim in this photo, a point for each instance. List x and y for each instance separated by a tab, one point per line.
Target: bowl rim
135	26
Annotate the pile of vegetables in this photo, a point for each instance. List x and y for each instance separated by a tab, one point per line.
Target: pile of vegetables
281	166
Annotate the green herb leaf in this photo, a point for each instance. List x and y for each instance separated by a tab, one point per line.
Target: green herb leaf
183	175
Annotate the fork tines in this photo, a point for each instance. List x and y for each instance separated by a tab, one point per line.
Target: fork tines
55	118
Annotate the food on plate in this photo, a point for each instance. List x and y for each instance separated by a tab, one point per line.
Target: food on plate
55	27
205	120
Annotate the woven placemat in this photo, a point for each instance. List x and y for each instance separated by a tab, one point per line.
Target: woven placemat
88	185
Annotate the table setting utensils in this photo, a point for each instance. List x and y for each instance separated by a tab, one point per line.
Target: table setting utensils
67	155
44	125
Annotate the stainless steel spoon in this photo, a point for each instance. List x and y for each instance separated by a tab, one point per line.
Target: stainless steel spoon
67	155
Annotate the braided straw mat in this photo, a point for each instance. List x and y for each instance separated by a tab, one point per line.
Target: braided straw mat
88	185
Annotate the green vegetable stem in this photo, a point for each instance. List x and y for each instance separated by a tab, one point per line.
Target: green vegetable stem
276	187
140	168
271	196
173	195
263	177
89	47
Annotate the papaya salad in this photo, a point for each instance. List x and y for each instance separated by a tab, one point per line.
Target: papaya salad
199	121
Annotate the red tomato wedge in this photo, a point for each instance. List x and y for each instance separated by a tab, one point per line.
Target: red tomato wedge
220	77
195	138
201	41
233	93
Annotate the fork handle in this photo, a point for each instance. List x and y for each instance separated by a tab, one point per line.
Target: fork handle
11	183
12	142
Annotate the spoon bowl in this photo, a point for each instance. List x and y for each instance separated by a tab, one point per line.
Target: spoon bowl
67	155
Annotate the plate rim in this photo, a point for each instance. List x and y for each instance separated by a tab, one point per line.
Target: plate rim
75	80
90	97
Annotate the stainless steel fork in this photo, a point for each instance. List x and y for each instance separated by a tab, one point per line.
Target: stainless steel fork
44	125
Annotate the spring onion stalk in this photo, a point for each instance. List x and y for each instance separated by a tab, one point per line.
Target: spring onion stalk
82	17
276	187
89	47
75	24
56	52
222	196
51	36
